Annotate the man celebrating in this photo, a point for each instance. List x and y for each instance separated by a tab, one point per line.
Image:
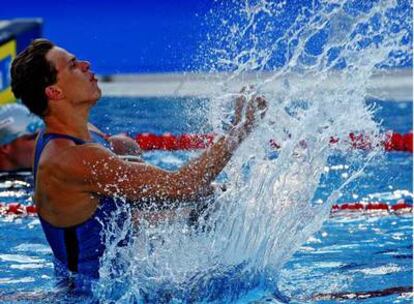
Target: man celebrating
76	177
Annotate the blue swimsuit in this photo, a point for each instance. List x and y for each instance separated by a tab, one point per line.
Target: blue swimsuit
77	249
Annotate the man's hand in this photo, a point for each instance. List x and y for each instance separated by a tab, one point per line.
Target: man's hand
256	109
253	109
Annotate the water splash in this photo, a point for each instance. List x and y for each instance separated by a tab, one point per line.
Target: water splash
313	63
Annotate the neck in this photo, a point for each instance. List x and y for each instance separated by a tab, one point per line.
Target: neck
70	121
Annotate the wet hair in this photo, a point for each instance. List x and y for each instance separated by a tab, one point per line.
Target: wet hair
31	73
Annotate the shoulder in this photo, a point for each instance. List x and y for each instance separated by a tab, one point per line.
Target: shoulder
66	159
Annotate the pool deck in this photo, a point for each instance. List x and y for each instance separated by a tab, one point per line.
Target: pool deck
394	85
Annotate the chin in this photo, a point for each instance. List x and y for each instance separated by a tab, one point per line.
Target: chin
96	96
98	93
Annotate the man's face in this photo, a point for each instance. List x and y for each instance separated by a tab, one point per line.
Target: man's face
75	80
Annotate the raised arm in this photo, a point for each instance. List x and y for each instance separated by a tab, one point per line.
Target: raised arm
103	172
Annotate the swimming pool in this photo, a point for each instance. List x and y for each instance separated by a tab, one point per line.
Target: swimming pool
353	252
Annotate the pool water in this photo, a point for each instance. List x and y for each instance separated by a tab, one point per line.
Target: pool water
352	253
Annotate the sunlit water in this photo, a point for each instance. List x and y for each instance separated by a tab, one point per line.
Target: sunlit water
237	250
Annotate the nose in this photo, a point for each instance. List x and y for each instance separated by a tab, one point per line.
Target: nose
85	65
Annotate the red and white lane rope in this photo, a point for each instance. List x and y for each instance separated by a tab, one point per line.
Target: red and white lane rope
169	142
400	207
17	209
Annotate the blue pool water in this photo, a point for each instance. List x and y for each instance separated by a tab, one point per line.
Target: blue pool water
351	253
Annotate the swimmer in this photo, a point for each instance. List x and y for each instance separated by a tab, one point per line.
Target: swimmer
76	178
18	131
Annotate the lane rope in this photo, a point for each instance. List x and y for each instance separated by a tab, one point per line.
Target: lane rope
400	207
148	141
363	207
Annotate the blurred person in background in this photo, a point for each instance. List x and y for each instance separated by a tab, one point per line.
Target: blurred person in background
18	130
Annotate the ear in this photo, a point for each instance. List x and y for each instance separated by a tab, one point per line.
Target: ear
53	92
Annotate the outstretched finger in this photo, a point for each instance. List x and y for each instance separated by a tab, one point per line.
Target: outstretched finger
261	105
238	111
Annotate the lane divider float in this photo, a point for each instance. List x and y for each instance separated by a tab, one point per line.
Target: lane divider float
400	207
169	142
